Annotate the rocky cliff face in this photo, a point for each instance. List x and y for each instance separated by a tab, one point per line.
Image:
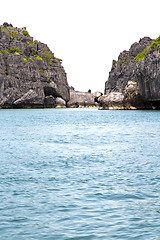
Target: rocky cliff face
134	80
30	74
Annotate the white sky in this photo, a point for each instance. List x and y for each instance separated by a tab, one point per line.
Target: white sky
86	34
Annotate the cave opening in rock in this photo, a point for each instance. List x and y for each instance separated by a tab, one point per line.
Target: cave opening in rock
50	91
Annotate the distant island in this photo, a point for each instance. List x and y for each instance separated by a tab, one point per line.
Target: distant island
32	77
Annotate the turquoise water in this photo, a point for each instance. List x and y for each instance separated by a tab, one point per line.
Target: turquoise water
72	174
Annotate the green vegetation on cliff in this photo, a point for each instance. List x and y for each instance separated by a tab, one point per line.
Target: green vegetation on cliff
24	60
4	51
50	63
26	67
13	50
153	45
25	32
142	54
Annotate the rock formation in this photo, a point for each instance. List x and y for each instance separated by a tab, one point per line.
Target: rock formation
83	99
30	74
134	80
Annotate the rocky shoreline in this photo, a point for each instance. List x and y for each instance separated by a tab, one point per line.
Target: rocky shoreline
32	77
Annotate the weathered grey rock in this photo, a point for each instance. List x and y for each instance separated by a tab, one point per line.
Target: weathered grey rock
113	97
84	99
111	100
97	94
29	97
60	103
129	99
136	75
28	67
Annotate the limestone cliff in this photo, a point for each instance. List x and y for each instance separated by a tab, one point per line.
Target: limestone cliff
134	80
30	74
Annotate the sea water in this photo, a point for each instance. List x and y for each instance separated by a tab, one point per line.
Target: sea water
79	174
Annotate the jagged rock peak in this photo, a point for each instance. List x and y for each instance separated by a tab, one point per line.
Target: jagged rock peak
136	71
30	74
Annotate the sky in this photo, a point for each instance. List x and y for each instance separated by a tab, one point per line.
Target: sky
86	34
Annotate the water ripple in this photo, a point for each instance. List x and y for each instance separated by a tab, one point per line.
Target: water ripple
69	174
